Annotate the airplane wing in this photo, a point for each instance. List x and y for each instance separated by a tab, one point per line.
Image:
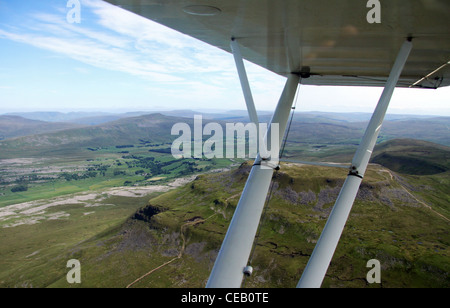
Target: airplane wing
328	42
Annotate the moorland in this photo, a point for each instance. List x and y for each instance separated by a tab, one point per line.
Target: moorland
105	190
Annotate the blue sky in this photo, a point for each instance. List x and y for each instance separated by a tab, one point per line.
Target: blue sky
116	61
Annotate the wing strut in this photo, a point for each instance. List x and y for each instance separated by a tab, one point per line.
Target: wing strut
320	259
228	270
244	81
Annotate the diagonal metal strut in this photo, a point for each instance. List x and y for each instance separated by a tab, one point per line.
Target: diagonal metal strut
228	270
320	259
244	81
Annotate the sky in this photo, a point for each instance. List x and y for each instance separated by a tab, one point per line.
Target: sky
116	61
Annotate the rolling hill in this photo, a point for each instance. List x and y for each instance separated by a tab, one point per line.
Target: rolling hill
436	129
173	241
132	130
14	126
387	223
410	156
400	217
308	129
52	116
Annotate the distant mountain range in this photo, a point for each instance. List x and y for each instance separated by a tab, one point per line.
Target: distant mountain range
15	126
155	128
35	136
83	118
95	118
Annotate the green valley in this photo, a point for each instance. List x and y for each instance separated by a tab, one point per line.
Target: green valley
113	197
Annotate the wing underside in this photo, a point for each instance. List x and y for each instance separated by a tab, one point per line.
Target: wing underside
328	42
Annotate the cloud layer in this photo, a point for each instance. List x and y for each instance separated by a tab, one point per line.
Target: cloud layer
175	68
111	38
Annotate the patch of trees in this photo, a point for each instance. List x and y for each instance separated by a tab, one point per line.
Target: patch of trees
146	167
163	150
19	188
100	168
124	146
146	213
75	176
147	163
154	167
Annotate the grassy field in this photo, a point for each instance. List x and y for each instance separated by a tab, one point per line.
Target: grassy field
103	168
32	243
75	199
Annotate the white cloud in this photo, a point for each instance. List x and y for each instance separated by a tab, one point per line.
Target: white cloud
114	39
179	67
98	47
133	26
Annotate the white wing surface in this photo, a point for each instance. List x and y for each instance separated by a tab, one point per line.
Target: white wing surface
330	41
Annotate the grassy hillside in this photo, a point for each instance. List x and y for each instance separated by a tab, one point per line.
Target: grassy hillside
387	223
15	126
176	237
400	217
432	129
154	128
316	136
410	156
